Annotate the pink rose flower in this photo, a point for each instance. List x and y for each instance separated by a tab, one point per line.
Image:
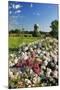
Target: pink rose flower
29	62
36	68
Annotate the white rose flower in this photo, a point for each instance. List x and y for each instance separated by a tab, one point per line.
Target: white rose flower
34	80
16	60
42	72
29	85
27	81
48	59
22	53
55	59
20	72
55	73
31	49
19	58
42	84
48	72
26	48
38	51
41	54
12	55
43	67
11	75
45	62
44	52
31	71
25	57
38	79
56	67
11	64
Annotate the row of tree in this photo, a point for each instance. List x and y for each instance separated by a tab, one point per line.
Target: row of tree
36	32
18	31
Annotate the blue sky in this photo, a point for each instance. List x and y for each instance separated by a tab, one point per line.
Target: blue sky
24	14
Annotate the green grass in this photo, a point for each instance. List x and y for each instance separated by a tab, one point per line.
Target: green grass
15	42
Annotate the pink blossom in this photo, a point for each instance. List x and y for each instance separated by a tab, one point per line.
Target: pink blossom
36	68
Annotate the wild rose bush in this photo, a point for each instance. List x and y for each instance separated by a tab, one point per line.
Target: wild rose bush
34	65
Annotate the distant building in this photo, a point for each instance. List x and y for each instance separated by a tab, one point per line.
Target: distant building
36	27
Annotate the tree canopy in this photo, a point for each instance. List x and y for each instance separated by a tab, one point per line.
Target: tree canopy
54	28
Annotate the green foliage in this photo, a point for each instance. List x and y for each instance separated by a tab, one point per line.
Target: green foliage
14	31
54	27
27	35
20	31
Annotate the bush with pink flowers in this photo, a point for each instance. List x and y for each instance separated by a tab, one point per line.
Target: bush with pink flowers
34	65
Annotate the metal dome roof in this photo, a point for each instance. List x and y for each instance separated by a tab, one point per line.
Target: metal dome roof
37	25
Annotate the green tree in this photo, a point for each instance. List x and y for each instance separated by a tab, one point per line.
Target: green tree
54	28
17	31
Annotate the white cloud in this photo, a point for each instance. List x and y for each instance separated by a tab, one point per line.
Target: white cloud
38	14
31	5
16	6
10	12
18	11
13	5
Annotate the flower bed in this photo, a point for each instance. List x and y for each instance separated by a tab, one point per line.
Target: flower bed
34	65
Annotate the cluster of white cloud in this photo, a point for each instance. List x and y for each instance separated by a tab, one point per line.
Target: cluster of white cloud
15	7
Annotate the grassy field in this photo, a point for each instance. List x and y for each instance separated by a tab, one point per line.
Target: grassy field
15	42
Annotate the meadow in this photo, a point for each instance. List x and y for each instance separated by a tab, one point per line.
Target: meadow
16	41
